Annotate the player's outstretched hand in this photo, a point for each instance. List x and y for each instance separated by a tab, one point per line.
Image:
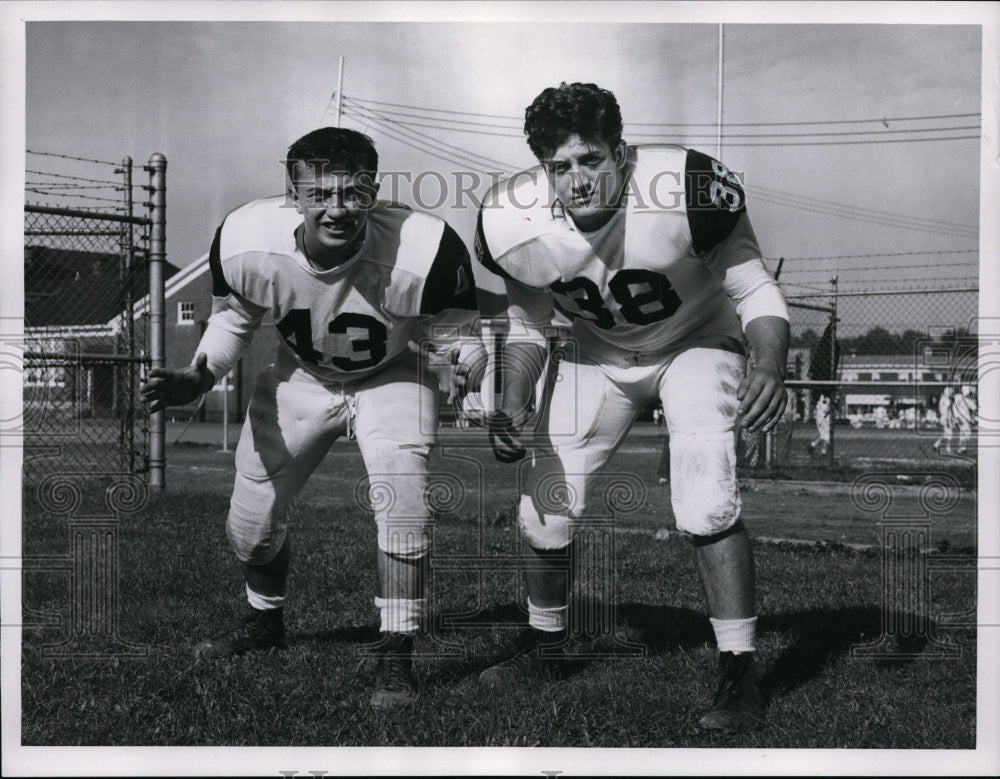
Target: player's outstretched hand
176	387
762	400
466	376
505	438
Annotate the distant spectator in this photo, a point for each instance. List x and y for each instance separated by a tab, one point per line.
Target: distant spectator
821	444
663	469
784	429
947	417
964	409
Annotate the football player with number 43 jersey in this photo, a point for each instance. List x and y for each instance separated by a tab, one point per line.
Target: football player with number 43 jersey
360	292
649	251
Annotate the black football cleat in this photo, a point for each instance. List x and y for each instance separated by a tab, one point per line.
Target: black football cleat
535	654
737	705
395	683
258	631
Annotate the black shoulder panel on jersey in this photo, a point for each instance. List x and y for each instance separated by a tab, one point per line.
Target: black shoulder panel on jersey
220	287
483	251
449	283
715	200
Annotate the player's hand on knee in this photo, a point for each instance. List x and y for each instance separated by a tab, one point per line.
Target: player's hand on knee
505	438
176	387
762	400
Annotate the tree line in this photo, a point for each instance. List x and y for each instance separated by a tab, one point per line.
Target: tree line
878	340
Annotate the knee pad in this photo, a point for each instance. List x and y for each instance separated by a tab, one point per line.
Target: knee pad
255	539
402	516
704	493
542	530
407	540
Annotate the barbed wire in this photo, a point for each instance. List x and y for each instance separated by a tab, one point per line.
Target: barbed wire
73	178
76	196
66	188
97	210
891	285
878	254
71	157
876	269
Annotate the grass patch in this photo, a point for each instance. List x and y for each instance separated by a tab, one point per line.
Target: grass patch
644	668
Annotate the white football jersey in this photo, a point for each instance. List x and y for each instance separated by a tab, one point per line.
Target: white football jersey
338	324
667	267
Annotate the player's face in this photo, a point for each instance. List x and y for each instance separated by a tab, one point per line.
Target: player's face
334	207
587	177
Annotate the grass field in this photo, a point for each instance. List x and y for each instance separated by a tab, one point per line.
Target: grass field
859	647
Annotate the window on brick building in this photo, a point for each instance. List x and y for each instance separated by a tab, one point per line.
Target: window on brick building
185	312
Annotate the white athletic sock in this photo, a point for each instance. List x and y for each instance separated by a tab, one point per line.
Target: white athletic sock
735	635
401	615
550	620
265	602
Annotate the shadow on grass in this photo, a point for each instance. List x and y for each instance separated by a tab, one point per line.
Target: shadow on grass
821	636
345	634
817	638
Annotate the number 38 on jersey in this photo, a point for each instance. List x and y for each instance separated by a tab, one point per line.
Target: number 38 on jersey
636	296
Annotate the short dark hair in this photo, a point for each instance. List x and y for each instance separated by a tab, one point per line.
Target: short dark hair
582	109
336	149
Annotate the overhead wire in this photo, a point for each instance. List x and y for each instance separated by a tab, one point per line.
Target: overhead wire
881	119
790	201
441	153
454	151
416	134
866	211
408	142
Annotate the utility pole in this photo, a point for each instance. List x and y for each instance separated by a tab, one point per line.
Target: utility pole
718	122
340	90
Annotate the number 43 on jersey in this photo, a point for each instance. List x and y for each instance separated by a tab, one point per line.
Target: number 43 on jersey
361	339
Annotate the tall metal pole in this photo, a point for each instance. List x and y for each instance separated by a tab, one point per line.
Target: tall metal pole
718	119
128	256
157	204
834	387
340	91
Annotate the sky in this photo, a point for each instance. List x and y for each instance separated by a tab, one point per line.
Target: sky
222	89
223	100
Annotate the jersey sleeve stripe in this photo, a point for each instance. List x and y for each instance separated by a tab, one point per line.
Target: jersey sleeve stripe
483	254
450	283
714	204
220	287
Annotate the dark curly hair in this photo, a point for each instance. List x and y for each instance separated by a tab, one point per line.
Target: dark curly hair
582	109
336	149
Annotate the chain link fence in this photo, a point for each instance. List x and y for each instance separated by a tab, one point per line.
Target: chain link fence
879	402
86	326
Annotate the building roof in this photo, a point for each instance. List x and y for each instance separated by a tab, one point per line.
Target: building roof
71	288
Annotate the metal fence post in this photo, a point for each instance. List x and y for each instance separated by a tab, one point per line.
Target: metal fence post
157	169
128	261
835	386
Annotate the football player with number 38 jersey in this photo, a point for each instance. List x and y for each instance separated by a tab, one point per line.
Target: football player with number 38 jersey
650	252
360	292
